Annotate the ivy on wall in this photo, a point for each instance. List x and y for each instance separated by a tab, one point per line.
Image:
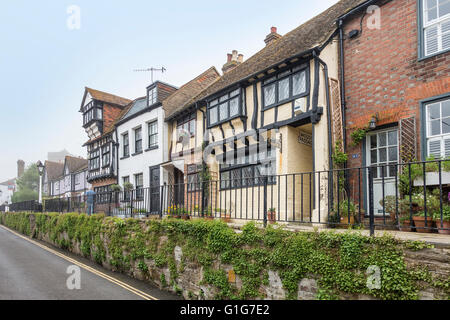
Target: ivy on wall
337	260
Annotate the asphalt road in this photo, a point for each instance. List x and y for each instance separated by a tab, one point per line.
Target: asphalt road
35	271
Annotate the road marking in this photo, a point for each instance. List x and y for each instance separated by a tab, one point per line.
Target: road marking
92	270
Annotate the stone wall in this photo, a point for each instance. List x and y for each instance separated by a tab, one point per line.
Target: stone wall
184	271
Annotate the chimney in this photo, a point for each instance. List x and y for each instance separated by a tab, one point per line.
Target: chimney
20	168
272	36
233	60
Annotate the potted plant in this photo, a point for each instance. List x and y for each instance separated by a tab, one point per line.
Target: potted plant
271	215
445	223
346	207
333	220
432	208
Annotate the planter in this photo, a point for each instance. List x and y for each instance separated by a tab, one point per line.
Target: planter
419	222
344	220
185	217
445	224
208	217
432	179
406	226
272	216
226	218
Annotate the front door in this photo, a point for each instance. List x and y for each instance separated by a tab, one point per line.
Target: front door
382	151
179	187
154	189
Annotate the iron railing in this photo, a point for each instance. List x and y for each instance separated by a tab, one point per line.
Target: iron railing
409	197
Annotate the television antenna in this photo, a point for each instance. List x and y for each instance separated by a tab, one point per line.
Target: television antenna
162	70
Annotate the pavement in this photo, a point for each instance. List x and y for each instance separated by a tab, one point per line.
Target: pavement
33	270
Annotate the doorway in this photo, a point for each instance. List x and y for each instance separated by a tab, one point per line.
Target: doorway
382	153
155	189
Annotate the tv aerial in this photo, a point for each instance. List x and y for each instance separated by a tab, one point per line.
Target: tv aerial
151	70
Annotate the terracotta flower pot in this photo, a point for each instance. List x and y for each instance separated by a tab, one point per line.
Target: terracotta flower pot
405	226
272	216
344	220
419	222
226	217
445	225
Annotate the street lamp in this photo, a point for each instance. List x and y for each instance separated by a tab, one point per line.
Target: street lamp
40	167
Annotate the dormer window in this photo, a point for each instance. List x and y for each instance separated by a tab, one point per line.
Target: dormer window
152	95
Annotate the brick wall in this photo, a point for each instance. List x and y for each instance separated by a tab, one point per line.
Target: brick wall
383	74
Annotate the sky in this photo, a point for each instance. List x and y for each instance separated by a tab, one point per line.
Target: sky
45	63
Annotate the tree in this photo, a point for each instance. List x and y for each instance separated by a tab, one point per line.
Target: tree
27	185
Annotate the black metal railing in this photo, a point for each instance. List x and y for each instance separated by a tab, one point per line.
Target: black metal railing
408	197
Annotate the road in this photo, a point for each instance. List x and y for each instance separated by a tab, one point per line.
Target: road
31	270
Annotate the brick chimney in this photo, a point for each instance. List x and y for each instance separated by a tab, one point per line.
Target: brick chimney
20	168
233	60
272	36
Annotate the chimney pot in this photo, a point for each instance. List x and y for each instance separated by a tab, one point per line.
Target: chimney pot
20	168
229	55
272	36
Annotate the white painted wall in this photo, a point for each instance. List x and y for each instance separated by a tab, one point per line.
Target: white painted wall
141	163
5	194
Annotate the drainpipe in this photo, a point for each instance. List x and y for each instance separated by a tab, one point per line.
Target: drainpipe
343	106
205	142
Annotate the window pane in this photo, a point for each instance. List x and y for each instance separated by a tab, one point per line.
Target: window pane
235	93
383	154
382	139
444	7
192	127
283	89
234	106
446	35
373	141
435	127
392	138
373	156
299	83
445	125
393	154
213	115
269	95
223	111
434	111
446	109
431	14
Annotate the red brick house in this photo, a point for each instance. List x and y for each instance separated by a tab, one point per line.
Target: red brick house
398	77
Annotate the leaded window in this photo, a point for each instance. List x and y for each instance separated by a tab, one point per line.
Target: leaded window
225	107
285	87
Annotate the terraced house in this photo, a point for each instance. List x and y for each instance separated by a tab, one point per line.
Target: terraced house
186	127
143	143
101	111
269	124
397	77
67	179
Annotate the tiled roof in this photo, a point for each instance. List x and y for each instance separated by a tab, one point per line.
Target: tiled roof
136	106
8	182
186	95
54	169
108	97
307	36
75	164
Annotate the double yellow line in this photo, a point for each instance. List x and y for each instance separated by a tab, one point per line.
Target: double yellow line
92	270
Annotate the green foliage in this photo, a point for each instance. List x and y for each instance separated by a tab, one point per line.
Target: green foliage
337	260
339	157
358	135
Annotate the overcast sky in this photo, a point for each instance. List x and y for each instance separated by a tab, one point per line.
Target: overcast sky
45	65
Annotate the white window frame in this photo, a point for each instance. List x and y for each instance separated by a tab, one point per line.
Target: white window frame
430	24
440	137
